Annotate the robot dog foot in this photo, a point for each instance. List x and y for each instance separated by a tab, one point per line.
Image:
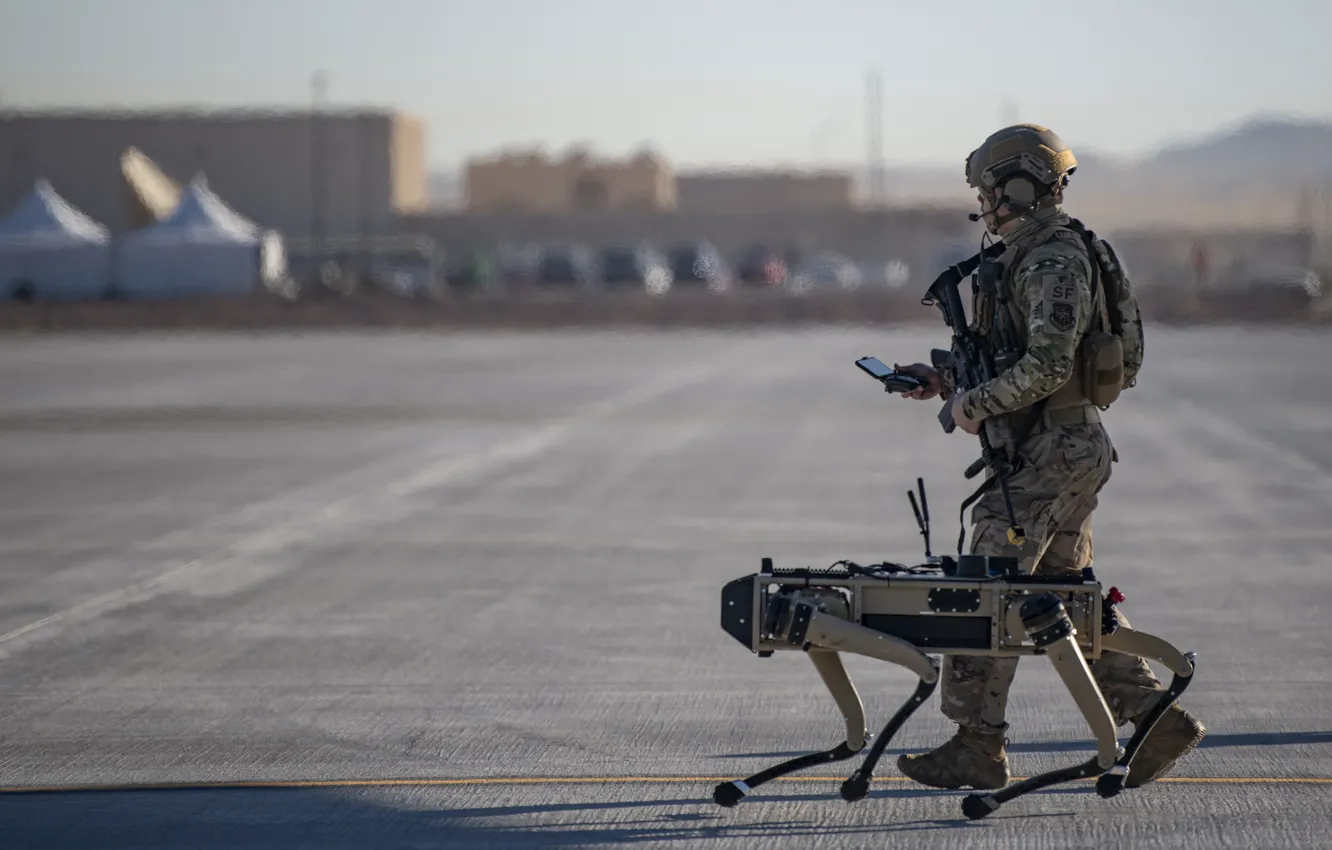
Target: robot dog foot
727	794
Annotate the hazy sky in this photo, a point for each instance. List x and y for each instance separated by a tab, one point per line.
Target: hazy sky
721	82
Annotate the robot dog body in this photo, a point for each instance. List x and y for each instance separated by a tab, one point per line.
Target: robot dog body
970	605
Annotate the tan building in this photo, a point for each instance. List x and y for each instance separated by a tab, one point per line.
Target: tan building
763	191
335	173
532	182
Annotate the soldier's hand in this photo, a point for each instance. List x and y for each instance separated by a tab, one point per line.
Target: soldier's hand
925	372
971	426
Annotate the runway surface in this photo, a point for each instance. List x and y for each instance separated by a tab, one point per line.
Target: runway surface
490	563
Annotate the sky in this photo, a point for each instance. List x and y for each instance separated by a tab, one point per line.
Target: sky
725	83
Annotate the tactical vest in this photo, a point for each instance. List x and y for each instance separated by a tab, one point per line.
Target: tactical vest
1109	354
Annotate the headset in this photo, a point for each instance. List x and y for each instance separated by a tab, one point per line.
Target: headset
1018	193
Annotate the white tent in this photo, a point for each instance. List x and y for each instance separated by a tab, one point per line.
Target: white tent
50	250
203	248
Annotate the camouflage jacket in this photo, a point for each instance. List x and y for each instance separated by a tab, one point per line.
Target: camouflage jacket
1048	286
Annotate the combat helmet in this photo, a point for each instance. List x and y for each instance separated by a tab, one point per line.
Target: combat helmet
1028	164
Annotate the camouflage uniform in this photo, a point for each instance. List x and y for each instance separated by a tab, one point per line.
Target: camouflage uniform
1061	471
1048	299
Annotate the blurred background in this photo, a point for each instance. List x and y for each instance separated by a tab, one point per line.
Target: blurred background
458	150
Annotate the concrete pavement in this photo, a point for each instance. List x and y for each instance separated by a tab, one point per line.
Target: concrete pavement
369	557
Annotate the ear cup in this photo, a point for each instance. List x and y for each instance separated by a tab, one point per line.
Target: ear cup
1021	193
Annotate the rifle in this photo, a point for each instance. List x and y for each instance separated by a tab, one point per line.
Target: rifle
973	364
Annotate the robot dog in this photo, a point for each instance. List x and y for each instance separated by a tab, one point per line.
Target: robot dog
964	605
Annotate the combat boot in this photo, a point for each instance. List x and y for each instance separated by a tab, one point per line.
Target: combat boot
971	758
1174	735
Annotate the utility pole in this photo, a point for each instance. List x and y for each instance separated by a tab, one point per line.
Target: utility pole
318	165
874	169
364	226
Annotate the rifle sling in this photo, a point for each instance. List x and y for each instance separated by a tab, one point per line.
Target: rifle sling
1034	414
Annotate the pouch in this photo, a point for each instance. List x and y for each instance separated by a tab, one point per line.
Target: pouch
1102	375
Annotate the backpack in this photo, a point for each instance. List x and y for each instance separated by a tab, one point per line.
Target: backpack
1109	356
1115	351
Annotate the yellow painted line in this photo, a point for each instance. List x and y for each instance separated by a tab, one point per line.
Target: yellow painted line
566	780
1248	780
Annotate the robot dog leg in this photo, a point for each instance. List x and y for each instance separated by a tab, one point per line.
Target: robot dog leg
1131	642
817	623
834	675
1046	622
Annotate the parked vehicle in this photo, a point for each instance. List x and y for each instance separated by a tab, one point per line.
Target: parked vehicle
1294	283
699	264
762	267
893	274
517	267
566	266
827	271
478	272
641	267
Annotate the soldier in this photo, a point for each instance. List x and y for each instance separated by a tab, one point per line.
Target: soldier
1045	308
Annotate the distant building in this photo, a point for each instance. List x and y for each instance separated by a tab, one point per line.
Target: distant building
532	182
338	172
766	191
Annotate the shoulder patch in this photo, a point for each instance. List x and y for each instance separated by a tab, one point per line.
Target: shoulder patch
1058	288
1062	316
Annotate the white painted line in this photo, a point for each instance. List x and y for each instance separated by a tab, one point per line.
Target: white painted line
361	508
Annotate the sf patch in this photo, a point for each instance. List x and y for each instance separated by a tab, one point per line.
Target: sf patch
1059	294
1055	287
1062	316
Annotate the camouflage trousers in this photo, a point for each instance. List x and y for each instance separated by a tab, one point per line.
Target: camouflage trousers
1054	493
